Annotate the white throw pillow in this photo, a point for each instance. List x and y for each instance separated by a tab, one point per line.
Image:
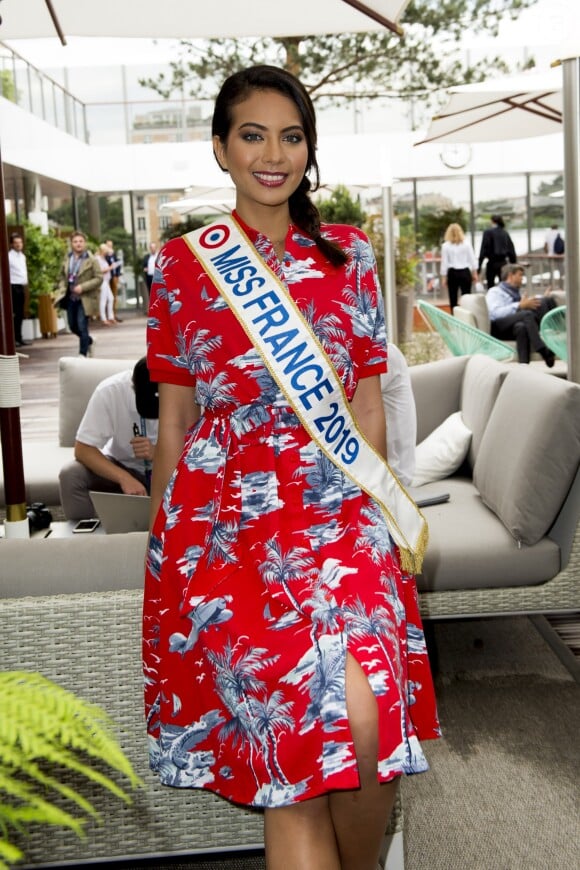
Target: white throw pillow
442	452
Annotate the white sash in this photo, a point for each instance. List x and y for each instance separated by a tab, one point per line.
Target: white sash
299	365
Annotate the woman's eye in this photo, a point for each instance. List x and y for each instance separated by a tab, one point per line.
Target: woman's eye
294	138
251	137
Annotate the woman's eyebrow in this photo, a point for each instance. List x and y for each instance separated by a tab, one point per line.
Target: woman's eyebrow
264	127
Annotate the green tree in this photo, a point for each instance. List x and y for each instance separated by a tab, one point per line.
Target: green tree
111	220
432	224
340	67
185	226
341	208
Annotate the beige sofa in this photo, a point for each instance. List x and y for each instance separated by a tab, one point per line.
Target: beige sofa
42	460
508	541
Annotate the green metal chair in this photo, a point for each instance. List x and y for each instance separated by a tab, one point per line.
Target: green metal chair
461	338
553	331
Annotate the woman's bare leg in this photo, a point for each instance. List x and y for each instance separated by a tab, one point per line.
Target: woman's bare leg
301	837
360	817
343	830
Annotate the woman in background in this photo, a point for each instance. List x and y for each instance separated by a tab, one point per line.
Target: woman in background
106	298
458	264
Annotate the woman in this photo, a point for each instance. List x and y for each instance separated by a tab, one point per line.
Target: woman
458	264
277	620
106	298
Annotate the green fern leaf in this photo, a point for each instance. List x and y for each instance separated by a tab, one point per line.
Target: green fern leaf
44	727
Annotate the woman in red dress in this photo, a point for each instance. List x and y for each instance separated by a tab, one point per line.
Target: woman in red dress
285	663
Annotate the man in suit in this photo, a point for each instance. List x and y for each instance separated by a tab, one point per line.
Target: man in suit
497	248
78	290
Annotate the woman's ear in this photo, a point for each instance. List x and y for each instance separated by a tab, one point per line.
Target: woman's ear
220	153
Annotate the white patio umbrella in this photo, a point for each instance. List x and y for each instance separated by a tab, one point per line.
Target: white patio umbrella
145	18
513	107
517	107
188	19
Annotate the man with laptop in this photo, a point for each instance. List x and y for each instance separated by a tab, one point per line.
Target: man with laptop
114	443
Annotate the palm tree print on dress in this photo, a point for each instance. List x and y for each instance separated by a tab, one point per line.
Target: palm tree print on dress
267	566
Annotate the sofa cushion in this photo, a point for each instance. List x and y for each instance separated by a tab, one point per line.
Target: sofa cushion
79	563
41	460
481	384
470	548
78	378
476	304
442	452
529	452
437	390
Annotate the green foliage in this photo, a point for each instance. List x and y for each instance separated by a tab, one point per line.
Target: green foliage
340	67
111	220
43	728
341	208
406	256
7	88
44	255
432	225
186	226
406	262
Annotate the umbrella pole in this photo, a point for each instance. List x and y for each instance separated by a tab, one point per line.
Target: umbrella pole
16	525
571	99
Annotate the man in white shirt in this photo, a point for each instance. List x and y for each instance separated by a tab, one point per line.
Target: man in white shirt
549	240
149	265
401	416
114	443
18	284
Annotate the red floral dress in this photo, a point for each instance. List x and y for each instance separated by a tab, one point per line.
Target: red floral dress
266	565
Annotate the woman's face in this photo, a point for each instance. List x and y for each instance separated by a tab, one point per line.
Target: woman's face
265	153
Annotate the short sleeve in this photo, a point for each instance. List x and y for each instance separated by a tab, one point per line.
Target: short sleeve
166	353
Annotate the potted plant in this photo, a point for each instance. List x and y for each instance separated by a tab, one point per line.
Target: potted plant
44	728
406	261
44	256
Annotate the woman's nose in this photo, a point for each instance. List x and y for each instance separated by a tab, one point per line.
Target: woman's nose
272	151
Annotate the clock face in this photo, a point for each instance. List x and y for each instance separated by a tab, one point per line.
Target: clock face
456	156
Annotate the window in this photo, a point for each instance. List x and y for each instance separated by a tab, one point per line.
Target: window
141	202
141	223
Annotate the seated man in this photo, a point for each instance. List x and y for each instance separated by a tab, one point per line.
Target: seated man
517	317
114	442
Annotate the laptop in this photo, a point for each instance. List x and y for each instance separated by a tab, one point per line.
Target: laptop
120	513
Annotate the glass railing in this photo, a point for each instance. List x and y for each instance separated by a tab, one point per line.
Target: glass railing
37	93
540	273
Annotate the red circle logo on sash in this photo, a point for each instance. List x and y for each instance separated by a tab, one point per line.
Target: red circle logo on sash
214	236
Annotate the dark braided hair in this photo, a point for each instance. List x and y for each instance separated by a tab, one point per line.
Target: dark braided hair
263	77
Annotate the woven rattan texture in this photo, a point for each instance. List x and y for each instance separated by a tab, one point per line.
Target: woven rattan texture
90	644
559	595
